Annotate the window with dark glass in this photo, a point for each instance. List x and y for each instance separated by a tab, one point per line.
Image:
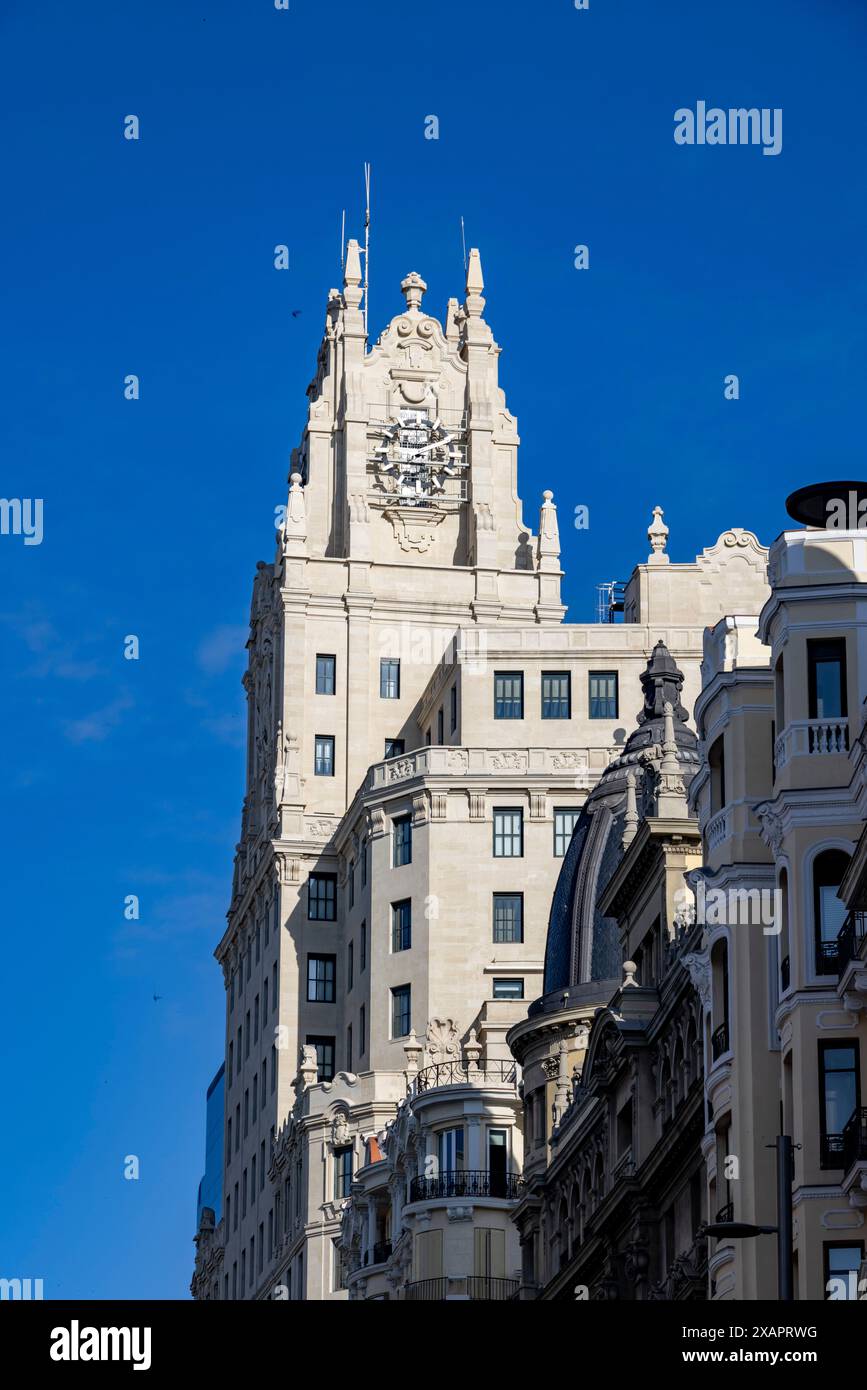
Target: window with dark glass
323	762
401	1011
350	967
826	678
839	1088
508	917
565	820
508	695
829	911
603	695
362	1031
362	953
325	675
453	708
342	1171
508	833
440	725
322	897
351	880
402	841
401	925
321	975
389	679
394	747
509	988
349	1047
556	695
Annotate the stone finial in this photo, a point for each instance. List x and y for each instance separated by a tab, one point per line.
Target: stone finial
563	1088
295	524
630	970
412	288
657	534
472	1051
549	531
309	1068
475	284
352	291
631	819
669	747
452	325
412	1049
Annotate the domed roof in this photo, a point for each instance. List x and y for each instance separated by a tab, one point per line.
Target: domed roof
582	945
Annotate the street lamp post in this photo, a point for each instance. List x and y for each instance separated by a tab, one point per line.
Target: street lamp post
742	1230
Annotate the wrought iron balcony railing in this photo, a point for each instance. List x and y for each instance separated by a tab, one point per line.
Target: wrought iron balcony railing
479	1288
461	1074
719	1040
379	1254
831	1147
850	939
465	1184
855	1138
726	1213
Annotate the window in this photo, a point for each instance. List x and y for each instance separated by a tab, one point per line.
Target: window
717	765
255	1089
603	695
235	1209
508	917
451	1150
237	1127
274	985
389	679
247	1036
401	925
322	897
321	971
842	1267
364	866
362	947
246	1112
508	833
440	725
401	841
253	1177
508	695
349	1047
509	988
498	1162
829	912
556	695
324	1055
362	1031
323	765
565	821
826	678
453	708
264	1001
264	1082
338	1265
489	1253
325	675
350	966
256	1019
401	1011
394	747
838	1097
258	943
351	877
342	1171
229	1068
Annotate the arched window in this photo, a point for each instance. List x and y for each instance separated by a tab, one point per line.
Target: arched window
719	1041
828	911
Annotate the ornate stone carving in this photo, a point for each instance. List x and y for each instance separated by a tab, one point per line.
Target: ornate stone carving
510	760
441	1039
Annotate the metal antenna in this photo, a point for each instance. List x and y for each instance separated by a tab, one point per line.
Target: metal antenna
464	243
366	286
343	242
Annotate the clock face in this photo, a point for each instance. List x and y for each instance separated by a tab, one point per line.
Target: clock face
416	456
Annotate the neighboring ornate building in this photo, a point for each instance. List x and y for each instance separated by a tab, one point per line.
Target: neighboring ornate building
423	730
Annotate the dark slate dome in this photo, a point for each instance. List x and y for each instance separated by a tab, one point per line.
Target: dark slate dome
582	945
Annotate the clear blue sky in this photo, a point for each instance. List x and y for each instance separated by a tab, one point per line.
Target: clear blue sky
156	257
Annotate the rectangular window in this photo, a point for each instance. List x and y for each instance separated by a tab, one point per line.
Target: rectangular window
274	986
264	1082
511	988
264	1001
364	866
565	820
508	833
322	898
362	1031
246	1112
321	973
440	725
401	841
351	877
603	695
362	948
508	695
838	1097
401	1011
256	1019
339	1270
342	1171
401	925
253	1178
489	1255
451	1150
453	708
350	967
255	1090
325	675
229	1068
325	1055
349	1047
556	695
826	678
508	917
394	747
389	679
323	765
247	1036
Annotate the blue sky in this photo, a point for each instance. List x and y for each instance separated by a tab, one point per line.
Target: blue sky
155	257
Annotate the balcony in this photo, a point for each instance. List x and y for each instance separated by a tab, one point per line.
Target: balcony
478	1288
831	1151
850	939
719	1041
380	1253
463	1074
717	829
854	1139
505	1186
811	738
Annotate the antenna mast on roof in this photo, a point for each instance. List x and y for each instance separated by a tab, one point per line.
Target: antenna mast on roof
464	243
343	241
366	284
